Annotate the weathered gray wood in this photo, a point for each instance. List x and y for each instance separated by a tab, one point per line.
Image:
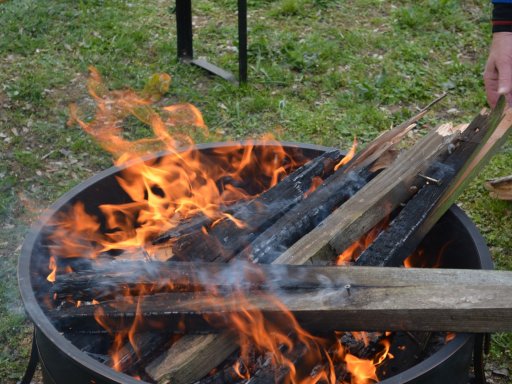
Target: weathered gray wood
372	297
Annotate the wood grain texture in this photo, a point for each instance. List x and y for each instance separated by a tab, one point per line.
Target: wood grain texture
373	202
370	298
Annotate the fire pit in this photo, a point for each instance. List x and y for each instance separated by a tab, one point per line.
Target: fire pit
62	361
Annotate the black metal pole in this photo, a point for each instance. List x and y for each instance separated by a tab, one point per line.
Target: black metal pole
184	29
242	41
32	362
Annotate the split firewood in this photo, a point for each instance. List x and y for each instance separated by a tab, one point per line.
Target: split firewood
204	367
375	201
351	220
388	139
220	239
380	298
444	185
500	188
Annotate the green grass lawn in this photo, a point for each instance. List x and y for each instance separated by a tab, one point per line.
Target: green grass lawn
320	71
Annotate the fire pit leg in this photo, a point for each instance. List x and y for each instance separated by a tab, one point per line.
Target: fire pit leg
184	30
32	362
482	345
185	41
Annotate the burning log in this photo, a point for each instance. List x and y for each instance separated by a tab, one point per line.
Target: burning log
222	239
379	298
374	202
220	243
420	158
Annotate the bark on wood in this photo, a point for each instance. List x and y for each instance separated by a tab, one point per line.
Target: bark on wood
379	298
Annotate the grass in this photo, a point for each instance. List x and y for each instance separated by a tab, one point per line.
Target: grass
320	71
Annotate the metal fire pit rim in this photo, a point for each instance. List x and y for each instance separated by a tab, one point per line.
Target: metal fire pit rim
32	308
43	325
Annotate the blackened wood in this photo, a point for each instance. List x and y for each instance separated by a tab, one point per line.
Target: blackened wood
379	298
224	239
375	201
151	277
302	218
363	346
406	231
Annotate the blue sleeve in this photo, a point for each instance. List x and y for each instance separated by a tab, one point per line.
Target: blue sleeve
502	16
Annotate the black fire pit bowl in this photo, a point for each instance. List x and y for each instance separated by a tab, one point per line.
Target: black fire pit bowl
64	363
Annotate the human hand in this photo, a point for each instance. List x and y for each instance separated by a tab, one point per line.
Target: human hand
498	70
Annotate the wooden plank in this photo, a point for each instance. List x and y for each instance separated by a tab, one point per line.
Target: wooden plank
372	298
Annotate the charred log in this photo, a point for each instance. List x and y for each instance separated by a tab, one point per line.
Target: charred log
226	237
446	181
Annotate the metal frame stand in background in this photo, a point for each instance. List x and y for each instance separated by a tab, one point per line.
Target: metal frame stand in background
185	41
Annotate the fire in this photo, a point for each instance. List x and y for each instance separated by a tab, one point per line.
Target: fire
53	268
159	195
355	249
417	259
349	156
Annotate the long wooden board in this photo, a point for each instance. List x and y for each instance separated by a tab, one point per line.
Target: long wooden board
370	298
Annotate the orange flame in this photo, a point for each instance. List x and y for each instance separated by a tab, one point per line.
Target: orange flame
355	249
163	192
348	156
53	267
